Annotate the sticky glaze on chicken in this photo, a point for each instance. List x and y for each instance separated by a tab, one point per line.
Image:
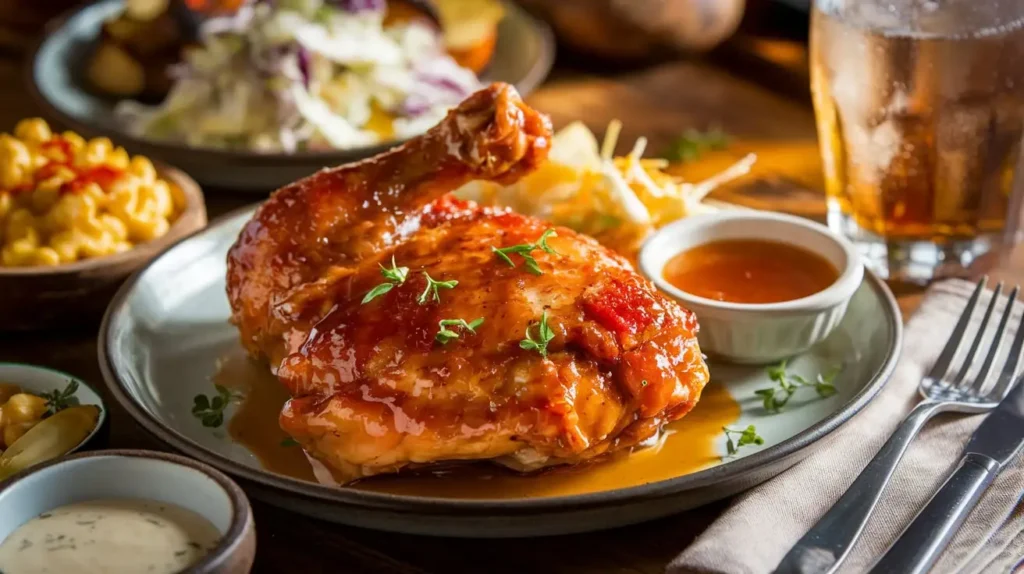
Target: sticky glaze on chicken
373	390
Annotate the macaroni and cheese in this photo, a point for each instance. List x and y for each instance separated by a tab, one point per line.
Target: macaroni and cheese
64	198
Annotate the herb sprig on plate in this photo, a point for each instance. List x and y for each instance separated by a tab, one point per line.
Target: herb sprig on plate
787	384
210	410
524	250
747	436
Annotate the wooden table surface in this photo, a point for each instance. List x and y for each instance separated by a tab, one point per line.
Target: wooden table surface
658	102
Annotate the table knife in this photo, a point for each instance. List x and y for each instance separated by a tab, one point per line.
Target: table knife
996	442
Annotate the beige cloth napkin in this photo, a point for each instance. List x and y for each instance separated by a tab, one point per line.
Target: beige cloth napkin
761	525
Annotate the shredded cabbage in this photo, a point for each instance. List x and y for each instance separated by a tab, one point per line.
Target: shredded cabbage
306	74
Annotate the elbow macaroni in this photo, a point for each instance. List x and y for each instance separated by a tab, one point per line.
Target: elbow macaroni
64	198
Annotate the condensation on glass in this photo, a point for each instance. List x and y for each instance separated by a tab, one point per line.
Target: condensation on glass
920	108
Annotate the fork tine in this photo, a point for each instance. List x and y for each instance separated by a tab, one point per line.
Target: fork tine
956	337
978	337
997	341
1006	377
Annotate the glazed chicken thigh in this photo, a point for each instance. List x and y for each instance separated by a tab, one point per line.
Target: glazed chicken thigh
554	352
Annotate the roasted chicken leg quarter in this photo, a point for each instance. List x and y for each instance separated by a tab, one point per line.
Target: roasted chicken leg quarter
413	328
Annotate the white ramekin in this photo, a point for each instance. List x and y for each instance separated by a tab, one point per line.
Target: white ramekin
758	333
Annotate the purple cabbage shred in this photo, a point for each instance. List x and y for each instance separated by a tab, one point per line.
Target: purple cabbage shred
304	67
414	105
447	84
359	5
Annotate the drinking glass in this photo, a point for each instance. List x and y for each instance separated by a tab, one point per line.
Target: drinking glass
920	107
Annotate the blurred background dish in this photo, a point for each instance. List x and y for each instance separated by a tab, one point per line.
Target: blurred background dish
290	76
642	28
523	52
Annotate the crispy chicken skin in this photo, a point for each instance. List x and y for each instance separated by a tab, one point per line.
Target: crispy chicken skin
373	391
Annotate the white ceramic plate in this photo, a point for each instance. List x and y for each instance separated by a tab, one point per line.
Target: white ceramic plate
167	328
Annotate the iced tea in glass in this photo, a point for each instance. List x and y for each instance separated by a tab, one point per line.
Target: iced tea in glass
920	110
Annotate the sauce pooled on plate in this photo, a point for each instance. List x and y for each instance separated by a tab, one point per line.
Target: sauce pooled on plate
686	446
110	537
750	271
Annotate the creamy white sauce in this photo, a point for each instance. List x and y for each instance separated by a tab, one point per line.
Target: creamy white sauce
109	537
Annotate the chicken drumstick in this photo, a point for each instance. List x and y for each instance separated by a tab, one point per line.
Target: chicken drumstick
552	352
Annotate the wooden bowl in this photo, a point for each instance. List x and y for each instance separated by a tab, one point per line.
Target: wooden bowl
78	293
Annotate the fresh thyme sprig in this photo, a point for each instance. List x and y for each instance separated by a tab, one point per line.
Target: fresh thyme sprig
775	398
395	276
544	336
746	436
524	250
60	399
210	410
444	334
694	143
430	293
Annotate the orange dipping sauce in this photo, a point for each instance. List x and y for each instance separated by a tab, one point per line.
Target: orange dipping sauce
750	271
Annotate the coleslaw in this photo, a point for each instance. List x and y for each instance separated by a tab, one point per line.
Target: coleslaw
291	75
617	200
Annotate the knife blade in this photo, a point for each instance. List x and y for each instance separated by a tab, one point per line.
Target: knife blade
1001	435
993	445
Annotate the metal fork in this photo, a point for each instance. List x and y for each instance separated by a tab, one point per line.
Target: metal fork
943	389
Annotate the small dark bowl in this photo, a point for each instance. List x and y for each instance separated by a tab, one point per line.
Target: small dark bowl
139	474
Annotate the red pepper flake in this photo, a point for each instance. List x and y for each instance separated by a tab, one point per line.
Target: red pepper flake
104	176
621	307
62	145
47	171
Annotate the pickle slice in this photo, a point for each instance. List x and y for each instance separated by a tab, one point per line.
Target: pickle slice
51	438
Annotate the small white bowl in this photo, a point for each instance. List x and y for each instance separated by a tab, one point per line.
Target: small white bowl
764	332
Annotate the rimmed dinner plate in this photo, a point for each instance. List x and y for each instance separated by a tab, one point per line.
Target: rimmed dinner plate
523	56
166	338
